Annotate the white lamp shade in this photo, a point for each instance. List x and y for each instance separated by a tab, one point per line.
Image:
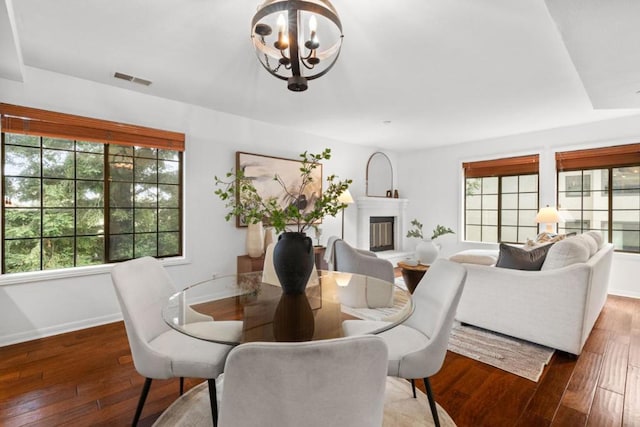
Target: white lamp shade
345	197
548	215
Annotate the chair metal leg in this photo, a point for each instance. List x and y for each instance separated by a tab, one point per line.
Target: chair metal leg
413	387
213	400
143	397
181	385
432	402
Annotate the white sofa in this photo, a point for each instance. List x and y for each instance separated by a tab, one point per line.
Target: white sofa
556	306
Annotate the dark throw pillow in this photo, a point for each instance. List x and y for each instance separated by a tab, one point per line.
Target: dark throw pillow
521	259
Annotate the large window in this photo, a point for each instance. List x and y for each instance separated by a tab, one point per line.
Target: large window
71	202
599	189
501	199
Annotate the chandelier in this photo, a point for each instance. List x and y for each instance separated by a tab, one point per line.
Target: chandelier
305	43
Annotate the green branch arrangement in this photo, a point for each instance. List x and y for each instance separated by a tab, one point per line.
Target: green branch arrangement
416	231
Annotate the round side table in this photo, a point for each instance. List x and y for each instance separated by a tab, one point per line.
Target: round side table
412	274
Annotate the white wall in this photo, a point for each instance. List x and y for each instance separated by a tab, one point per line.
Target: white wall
433	181
52	305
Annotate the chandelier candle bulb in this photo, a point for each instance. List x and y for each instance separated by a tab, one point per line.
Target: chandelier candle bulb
313	26
313	43
283	41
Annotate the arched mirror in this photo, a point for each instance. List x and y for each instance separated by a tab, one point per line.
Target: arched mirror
379	175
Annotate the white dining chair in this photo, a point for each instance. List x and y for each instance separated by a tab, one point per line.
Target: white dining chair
159	352
338	382
417	348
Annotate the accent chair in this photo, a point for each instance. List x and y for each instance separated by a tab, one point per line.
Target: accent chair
159	352
338	382
417	348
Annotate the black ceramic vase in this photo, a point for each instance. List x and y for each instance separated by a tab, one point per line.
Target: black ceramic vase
293	260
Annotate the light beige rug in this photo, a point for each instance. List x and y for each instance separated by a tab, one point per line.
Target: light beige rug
519	357
400	408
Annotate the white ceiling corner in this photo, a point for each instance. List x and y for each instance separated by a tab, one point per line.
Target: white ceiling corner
11	62
603	40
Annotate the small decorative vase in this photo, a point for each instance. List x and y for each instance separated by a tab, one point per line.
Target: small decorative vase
427	252
268	237
293	260
293	319
255	240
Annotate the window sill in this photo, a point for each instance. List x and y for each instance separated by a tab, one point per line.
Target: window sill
41	276
626	255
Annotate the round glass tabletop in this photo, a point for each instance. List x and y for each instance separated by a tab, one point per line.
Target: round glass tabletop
246	309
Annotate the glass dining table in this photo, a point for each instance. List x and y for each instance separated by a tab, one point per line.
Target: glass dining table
241	308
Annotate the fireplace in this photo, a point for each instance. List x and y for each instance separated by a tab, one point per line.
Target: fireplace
381	233
394	213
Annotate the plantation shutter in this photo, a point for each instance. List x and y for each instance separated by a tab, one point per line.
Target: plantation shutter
619	155
33	121
502	167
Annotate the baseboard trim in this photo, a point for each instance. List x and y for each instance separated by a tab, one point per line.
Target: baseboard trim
58	329
623	293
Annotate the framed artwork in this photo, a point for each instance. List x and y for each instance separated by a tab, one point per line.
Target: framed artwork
262	170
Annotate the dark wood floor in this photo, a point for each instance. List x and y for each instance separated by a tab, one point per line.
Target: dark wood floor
86	378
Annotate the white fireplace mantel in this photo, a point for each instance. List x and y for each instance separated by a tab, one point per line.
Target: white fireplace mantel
382	206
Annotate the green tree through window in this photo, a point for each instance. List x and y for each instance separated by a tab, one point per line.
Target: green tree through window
71	203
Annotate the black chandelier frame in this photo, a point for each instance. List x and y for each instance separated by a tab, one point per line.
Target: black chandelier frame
295	61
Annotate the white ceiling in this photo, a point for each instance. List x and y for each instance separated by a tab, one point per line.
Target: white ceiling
603	38
442	71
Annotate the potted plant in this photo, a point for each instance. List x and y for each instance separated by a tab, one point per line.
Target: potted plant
293	254
427	250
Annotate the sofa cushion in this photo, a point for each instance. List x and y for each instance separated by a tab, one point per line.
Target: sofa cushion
566	252
591	243
475	256
597	236
522	259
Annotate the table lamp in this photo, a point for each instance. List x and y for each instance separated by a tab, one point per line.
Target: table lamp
548	215
345	198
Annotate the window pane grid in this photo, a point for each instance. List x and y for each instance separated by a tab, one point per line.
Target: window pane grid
54	194
609	202
506	214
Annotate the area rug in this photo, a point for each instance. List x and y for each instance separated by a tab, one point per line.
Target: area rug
192	409
510	354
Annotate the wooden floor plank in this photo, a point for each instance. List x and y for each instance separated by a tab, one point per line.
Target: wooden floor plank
546	399
631	412
606	410
634	347
582	385
569	417
614	365
597	342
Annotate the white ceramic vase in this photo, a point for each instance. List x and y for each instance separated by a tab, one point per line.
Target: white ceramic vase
268	237
427	252
255	240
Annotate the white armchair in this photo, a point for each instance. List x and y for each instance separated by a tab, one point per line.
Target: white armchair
351	260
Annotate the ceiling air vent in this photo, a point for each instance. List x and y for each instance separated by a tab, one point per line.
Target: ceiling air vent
132	79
